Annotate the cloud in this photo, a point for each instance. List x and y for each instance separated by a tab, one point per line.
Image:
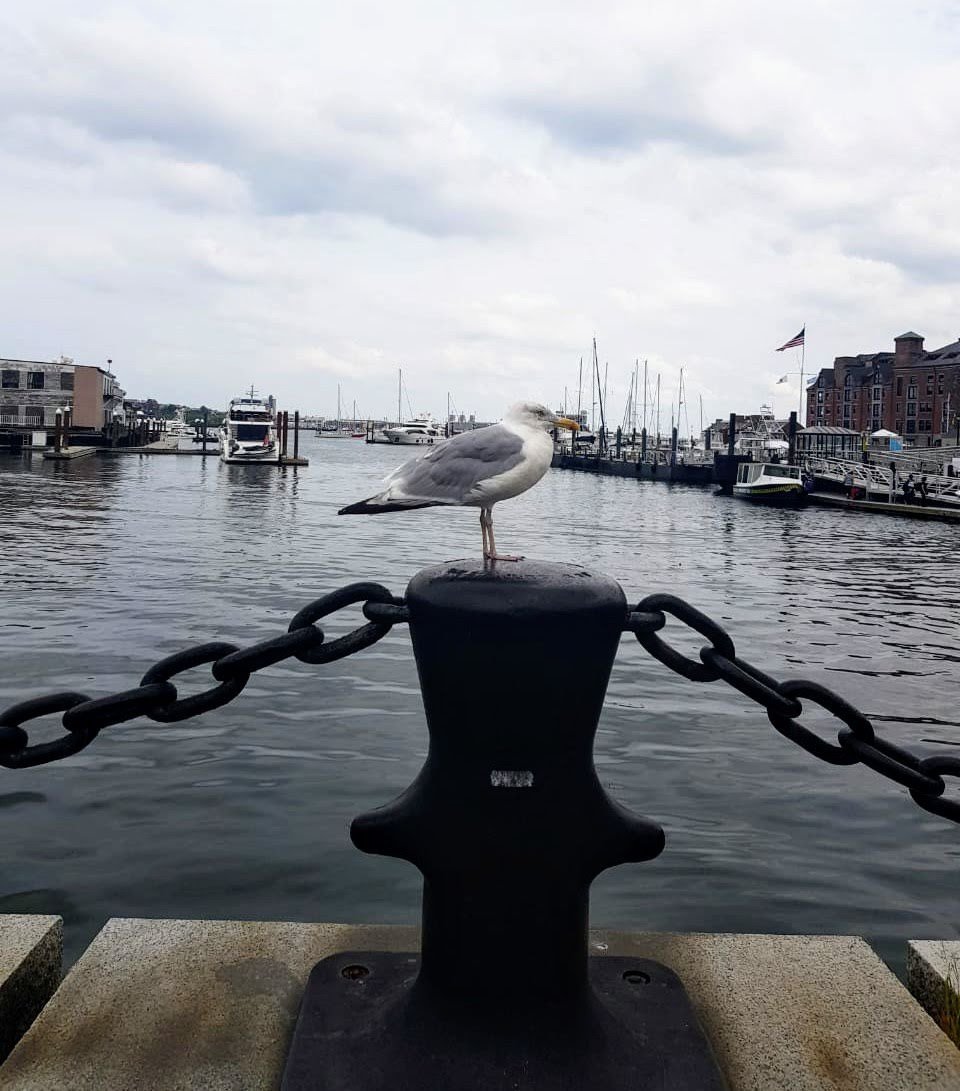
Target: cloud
473	193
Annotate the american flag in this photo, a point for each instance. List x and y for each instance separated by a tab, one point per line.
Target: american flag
794	342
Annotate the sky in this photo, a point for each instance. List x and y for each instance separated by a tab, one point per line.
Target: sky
302	196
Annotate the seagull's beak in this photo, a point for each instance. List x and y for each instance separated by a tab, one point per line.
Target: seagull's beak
565	422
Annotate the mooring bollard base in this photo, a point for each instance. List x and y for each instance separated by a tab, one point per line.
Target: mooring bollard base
361	1028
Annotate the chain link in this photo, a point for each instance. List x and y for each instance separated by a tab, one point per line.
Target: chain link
857	740
157	698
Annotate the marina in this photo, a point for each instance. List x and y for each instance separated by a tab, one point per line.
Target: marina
141	557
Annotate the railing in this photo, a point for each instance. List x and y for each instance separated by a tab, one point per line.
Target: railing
880	481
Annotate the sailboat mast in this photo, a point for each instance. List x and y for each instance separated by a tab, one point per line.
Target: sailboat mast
399	394
579	391
593	390
645	387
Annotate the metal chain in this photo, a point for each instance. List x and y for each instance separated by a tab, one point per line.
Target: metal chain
857	740
156	697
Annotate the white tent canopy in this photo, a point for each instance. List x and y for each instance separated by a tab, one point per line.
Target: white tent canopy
883	433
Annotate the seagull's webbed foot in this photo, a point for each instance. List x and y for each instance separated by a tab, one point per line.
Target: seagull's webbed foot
489	545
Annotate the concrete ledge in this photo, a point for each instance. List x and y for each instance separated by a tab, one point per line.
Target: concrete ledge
933	976
30	959
177	1005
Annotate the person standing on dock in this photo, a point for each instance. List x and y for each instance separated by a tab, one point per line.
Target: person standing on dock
922	489
848	484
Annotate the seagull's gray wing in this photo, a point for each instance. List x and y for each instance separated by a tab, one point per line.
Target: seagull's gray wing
449	472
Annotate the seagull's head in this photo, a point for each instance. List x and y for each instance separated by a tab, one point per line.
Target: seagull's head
535	415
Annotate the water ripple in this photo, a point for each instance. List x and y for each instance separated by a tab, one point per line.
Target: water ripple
108	565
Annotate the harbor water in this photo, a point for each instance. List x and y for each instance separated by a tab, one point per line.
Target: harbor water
110	563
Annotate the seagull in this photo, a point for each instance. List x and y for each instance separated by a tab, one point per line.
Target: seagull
474	469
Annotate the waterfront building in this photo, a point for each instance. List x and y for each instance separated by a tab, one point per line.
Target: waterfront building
31	392
908	391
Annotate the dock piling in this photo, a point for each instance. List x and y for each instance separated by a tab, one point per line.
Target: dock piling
296	434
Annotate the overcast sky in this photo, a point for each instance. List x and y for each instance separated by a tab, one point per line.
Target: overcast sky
302	194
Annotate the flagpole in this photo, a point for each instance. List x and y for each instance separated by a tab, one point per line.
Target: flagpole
803	352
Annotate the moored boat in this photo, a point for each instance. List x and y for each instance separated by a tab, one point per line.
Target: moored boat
770	483
248	432
420	430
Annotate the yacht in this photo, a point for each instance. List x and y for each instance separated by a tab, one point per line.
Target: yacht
422	429
248	432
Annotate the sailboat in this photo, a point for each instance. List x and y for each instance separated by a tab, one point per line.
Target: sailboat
334	429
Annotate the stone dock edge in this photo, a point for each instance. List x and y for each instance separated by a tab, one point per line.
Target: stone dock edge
172	1005
31	957
933	976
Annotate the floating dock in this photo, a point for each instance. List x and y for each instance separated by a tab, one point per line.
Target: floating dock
883	507
69	453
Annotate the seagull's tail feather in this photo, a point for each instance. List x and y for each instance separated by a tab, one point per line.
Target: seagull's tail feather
373	505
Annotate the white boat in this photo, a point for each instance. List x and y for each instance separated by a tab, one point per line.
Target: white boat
420	430
770	483
248	432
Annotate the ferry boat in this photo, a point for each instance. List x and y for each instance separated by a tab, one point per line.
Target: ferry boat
248	432
422	429
770	483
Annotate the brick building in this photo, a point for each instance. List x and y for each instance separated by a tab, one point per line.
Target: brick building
908	391
31	391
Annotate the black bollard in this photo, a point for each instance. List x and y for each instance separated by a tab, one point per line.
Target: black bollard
509	825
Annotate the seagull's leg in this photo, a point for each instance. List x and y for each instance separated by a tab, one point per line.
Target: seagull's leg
491	554
483	531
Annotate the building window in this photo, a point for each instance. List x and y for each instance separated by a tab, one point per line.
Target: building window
911	409
66	380
35	380
899	384
819	396
33	414
911	392
11	380
911	427
9	414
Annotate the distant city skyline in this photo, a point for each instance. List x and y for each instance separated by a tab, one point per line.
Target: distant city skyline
213	196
